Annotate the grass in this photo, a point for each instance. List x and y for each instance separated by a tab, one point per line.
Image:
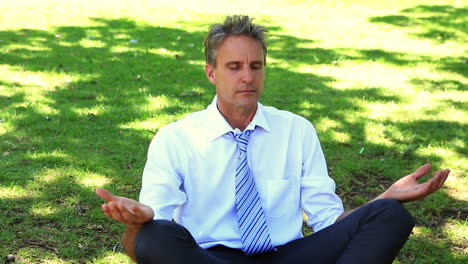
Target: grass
385	84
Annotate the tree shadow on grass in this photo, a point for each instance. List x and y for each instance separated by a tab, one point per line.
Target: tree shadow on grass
438	23
111	83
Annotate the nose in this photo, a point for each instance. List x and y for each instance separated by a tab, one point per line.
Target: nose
247	75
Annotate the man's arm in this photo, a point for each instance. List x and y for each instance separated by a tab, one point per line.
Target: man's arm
408	188
130	213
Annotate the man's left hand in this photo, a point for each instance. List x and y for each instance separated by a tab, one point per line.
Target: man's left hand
408	188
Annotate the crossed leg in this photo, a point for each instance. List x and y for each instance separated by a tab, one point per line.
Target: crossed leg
374	233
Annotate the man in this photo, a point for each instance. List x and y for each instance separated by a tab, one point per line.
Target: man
236	177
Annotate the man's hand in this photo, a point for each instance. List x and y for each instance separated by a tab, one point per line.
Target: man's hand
408	188
127	211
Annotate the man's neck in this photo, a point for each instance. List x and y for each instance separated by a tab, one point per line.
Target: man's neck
239	117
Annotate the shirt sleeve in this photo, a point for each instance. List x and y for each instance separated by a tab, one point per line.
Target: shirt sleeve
162	182
318	198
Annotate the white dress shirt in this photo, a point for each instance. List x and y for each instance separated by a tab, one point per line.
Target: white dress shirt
190	173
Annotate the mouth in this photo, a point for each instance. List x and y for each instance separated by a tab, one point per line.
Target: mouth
247	91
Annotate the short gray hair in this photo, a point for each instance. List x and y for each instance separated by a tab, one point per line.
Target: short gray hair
236	25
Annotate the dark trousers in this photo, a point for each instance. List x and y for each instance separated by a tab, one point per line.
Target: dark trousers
374	233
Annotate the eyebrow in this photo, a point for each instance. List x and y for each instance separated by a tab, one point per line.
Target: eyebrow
238	62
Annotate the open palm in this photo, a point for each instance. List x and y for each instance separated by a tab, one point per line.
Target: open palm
409	189
125	210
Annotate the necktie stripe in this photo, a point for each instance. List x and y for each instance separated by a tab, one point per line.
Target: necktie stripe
252	223
255	242
245	196
254	214
251	218
242	164
243	210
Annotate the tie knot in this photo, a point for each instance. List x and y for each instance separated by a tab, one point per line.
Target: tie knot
243	137
242	140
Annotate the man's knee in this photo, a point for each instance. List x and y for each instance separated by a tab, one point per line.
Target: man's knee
396	213
159	238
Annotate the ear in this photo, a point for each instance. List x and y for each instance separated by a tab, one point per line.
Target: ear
210	74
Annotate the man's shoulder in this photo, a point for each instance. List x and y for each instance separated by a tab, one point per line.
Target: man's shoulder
189	121
283	116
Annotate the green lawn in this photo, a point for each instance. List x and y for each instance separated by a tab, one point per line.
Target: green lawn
84	85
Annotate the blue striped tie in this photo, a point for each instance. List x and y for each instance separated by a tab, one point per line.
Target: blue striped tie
250	216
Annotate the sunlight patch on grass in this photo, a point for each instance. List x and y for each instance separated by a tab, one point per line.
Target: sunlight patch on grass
341	137
93	180
122	49
43	209
42	80
48	176
90	43
327	124
163	52
14	192
421	231
113	257
275	62
364	75
457	184
29	254
437	149
375	134
457	231
310	105
158	102
382	111
5	124
152	124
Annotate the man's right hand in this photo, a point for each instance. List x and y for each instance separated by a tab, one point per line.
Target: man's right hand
127	211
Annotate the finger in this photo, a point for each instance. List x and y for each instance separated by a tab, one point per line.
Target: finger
127	214
443	178
421	171
143	213
438	180
137	210
115	212
105	194
105	210
434	183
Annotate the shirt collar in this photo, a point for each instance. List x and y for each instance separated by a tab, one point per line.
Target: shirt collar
218	126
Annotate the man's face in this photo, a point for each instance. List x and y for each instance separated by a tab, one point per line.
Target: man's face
239	73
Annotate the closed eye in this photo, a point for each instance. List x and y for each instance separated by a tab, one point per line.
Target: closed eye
234	66
257	66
